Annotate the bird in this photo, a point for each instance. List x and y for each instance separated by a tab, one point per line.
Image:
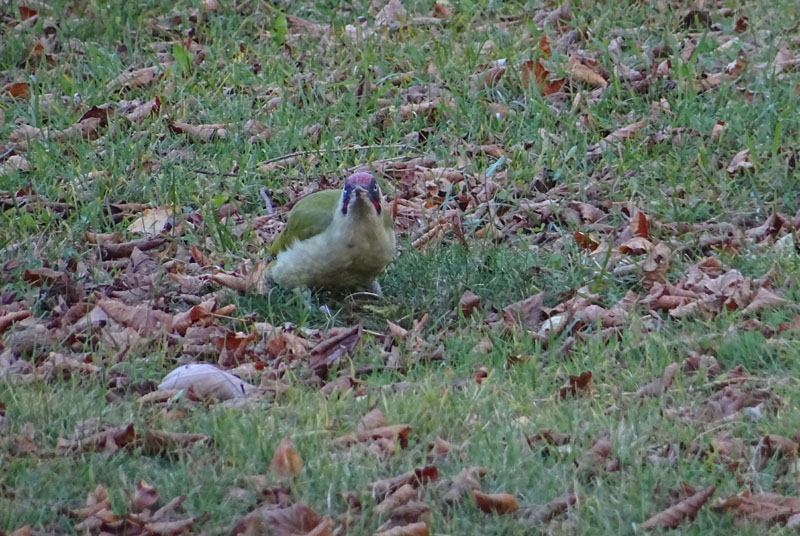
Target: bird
336	240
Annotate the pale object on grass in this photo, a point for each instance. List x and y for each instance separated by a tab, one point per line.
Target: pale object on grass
206	380
785	245
16	163
153	222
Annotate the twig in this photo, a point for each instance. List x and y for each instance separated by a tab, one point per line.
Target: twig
8	153
215	173
323	151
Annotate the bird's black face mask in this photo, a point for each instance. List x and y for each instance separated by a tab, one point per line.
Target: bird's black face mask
359	184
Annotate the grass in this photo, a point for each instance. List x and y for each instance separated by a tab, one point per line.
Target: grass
681	183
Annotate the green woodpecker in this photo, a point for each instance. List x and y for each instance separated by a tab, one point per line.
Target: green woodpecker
336	239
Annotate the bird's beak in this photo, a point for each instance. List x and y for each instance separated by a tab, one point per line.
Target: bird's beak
369	195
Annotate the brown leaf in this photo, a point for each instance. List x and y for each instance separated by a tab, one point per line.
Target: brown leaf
550	437
595	457
417	477
26	13
527	313
111	440
581	385
740	161
143	111
397	432
675	514
96	501
467	480
764	298
398	498
328	352
468	303
170	528
442	10
157	441
580	72
8	319
440	449
300	26
145	496
772	446
499	503
134	79
18	90
655	266
660	385
286	462
585	242
767	508
640	226
625	132
419	528
253	281
295	520
372	420
204	132
393	13
144	320
123	250
493	75
538	515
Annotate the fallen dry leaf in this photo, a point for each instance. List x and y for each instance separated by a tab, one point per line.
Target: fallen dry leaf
498	503
295	520
18	90
370	421
398	432
327	353
468	303
675	514
580	72
766	508
203	132
595	458
467	480
134	79
153	222
660	385
537	515
16	162
145	496
741	160
286	462
158	441
417	477
393	13
398	498
528	313
419	528
581	385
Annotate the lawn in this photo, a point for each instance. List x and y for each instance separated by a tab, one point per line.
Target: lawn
590	326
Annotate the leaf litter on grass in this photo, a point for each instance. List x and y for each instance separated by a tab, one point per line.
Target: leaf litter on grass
126	294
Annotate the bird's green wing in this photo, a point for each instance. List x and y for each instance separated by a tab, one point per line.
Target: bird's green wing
309	217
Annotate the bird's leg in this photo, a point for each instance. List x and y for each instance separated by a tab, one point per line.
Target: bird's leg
304	295
376	288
